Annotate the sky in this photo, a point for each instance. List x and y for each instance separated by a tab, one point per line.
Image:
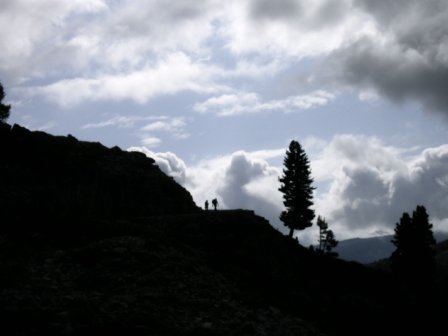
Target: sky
215	91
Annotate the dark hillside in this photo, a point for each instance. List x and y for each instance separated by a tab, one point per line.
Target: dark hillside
46	177
97	241
271	269
442	269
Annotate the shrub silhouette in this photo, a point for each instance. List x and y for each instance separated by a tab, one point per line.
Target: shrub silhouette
4	109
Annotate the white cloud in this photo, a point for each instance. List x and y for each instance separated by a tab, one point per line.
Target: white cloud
76	51
174	74
136	28
244	103
108	37
371	184
168	162
368	95
228	104
31	32
293	28
239	180
150	141
95	50
122	121
150	133
260	67
123	50
173	126
32	123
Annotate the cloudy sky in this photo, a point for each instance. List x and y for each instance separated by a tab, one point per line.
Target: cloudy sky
215	91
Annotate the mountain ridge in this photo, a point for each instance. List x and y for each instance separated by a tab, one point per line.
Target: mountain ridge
372	249
111	245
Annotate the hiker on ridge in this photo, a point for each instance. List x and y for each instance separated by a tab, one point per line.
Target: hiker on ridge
215	203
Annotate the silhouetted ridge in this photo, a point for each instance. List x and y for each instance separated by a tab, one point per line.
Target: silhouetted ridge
45	176
98	241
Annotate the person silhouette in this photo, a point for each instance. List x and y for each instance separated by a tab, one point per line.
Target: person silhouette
215	203
206	205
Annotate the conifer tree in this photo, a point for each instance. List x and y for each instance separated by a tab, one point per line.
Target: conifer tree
327	239
4	109
297	189
413	259
323	229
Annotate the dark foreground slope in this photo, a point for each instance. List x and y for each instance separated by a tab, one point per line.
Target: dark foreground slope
96	247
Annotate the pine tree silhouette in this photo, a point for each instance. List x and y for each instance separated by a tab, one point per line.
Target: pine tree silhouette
297	189
413	259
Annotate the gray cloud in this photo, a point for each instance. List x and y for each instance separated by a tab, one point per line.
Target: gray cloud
281	9
54	38
389	12
407	57
32	37
371	194
427	183
158	21
364	184
414	25
395	72
371	184
365	201
331	12
307	14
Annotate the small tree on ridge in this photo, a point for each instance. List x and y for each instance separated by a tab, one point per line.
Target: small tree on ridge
327	239
4	109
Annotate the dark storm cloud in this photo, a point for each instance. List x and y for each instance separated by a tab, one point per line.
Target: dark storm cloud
418	25
408	57
395	72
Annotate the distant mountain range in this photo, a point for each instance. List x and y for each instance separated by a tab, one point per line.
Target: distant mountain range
368	250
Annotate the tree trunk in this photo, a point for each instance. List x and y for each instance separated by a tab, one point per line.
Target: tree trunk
291	233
